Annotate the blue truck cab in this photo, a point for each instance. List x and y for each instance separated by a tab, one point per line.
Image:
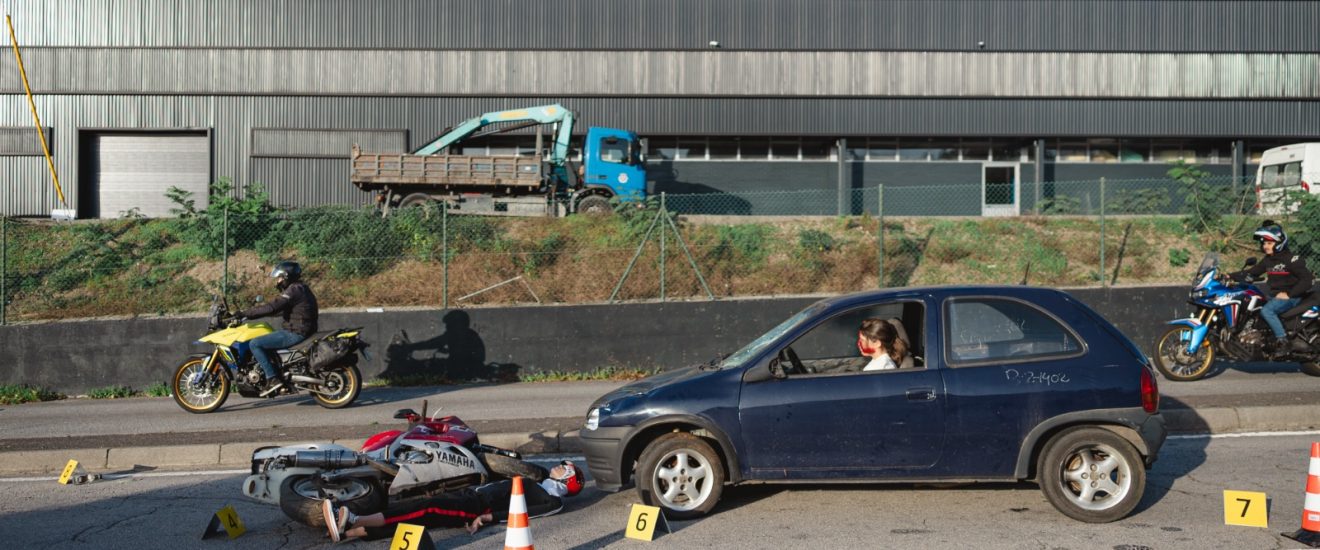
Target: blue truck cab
614	165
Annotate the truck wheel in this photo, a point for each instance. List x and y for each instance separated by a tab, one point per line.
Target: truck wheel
594	205
1091	475
681	473
415	199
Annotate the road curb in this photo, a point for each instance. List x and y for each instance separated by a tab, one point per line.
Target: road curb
1210	420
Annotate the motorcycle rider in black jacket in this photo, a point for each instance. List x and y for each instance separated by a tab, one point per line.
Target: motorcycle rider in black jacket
1289	279
297	305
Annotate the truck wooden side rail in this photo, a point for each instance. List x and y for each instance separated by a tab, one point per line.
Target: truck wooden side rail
436	174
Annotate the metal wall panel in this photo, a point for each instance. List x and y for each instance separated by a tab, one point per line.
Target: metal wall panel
307	182
284	142
232	119
22	142
28	190
936	25
134	170
673	73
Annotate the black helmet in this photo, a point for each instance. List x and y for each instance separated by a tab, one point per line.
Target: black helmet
1270	231
291	271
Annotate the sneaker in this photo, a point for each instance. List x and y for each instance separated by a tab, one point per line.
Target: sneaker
1280	350
337	519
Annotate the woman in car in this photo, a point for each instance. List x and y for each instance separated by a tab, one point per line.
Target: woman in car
878	339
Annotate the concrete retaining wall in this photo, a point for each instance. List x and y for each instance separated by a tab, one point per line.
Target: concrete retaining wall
75	356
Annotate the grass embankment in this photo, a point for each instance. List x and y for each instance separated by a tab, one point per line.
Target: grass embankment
355	258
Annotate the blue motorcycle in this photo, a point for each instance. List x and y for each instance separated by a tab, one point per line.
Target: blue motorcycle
1227	323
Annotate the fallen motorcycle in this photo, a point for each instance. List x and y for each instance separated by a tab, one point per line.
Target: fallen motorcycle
432	456
324	366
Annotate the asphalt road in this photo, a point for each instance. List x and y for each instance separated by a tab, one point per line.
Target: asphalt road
1182	508
525	408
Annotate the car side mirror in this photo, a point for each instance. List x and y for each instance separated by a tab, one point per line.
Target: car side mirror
777	369
1250	262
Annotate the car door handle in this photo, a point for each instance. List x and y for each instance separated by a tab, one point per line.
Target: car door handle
921	394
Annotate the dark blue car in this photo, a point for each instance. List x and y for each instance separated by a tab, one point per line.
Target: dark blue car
1002	384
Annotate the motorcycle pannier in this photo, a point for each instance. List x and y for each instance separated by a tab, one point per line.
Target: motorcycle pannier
326	352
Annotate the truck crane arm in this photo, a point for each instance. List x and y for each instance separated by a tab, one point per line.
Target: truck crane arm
544	114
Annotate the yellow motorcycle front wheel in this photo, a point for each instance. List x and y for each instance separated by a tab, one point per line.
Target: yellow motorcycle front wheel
198	389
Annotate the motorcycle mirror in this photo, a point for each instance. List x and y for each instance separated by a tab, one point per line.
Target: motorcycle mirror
1250	262
403	414
258	299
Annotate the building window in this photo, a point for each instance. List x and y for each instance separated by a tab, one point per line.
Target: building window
723	148
817	149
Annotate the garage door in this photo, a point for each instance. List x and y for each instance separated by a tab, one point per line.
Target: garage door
133	170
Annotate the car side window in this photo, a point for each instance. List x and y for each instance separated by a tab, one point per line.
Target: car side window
831	346
982	330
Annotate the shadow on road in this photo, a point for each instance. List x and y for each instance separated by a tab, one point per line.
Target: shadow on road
1178	457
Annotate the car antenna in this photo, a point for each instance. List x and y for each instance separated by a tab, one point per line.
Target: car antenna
1026	273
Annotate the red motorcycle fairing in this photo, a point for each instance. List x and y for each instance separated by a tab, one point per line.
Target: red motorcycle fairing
380	440
449	429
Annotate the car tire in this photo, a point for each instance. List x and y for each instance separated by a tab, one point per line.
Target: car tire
1091	475
681	473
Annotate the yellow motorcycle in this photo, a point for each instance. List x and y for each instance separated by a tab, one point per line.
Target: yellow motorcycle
322	365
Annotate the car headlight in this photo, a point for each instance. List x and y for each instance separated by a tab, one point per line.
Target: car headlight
593	419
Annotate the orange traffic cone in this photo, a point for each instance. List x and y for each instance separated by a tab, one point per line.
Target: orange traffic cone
1309	534
518	536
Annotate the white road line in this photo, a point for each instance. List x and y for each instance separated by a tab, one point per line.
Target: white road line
1244	434
133	475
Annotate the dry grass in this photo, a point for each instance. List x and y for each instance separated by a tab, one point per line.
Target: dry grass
581	260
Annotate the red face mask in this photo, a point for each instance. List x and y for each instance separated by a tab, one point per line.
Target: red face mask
862	347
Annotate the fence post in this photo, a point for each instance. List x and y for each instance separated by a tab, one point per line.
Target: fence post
444	253
1102	233
224	249
663	212
880	213
4	267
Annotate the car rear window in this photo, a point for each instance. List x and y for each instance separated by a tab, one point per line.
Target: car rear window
987	330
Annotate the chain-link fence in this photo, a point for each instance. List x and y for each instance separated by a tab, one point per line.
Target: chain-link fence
695	246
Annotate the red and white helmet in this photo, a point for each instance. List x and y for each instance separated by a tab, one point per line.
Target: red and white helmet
573	479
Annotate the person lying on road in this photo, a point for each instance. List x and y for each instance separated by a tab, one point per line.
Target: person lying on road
467	508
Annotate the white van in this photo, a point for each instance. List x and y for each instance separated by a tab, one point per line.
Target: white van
1284	169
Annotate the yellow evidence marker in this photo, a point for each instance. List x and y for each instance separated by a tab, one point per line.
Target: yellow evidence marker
1246	508
69	469
228	519
642	521
411	537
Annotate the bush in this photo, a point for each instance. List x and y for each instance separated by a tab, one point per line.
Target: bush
1140	201
1179	257
748	242
17	394
1060	205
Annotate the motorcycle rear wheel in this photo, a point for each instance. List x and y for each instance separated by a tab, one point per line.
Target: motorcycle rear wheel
1311	368
192	390
507	466
1173	361
301	501
344	382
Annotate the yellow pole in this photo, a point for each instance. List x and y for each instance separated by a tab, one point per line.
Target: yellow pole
36	119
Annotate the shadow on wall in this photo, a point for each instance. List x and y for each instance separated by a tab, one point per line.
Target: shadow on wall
710	200
458	354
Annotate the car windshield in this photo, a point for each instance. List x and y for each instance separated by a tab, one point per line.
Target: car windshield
759	344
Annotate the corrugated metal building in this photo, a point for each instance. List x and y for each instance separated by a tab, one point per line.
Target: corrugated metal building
139	95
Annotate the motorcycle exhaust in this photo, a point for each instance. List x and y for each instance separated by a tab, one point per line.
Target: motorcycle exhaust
331	459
